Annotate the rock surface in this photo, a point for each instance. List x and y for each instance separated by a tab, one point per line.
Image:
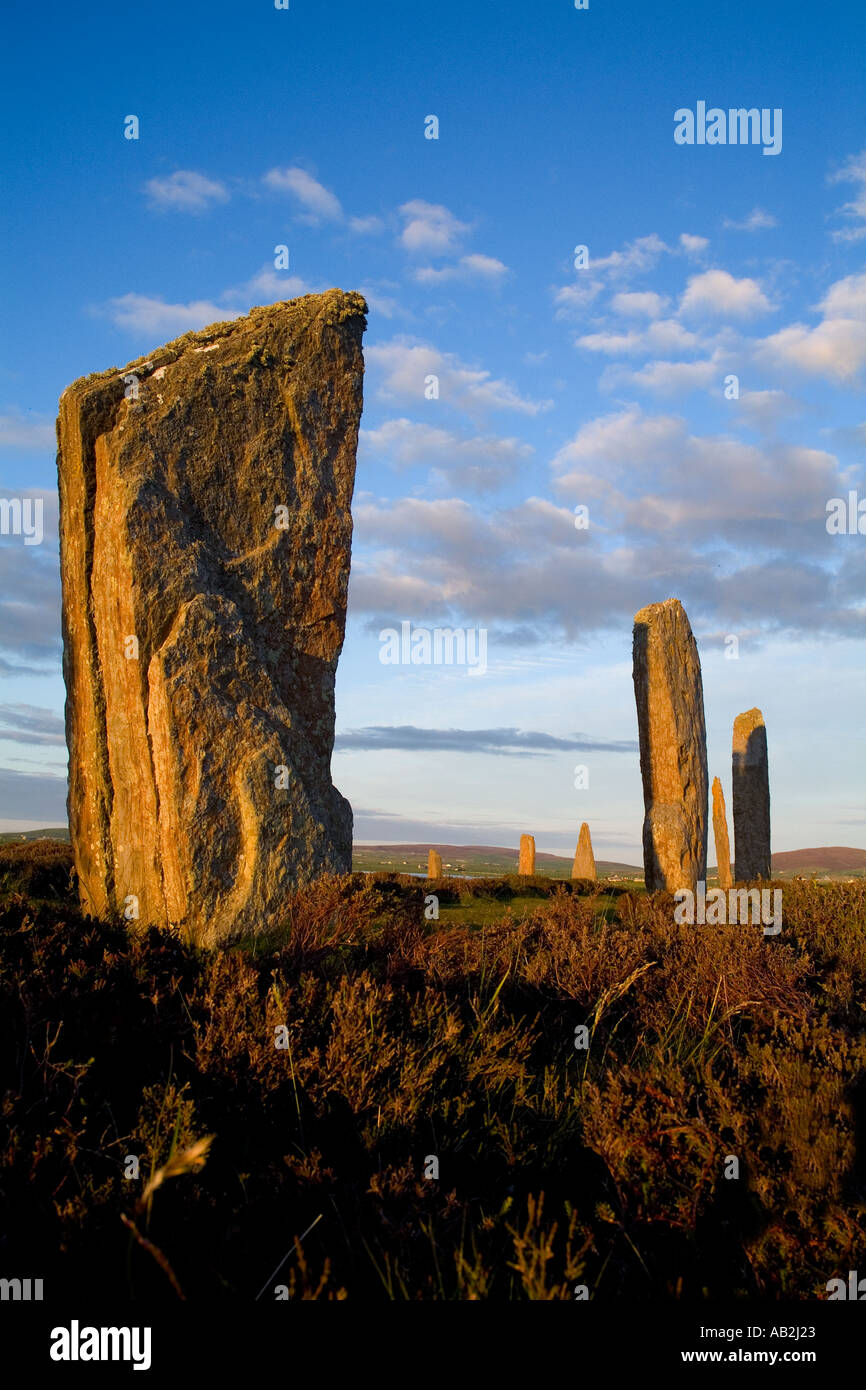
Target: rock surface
205	538
673	753
720	834
434	864
526	862
584	859
751	797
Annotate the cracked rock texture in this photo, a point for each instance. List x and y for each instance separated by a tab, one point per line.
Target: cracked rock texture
673	747
584	859
751	797
205	540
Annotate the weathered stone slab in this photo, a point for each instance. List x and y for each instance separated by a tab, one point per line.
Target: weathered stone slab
751	797
434	864
673	753
584	859
720	834
205	537
526	862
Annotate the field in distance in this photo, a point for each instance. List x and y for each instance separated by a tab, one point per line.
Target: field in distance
828	862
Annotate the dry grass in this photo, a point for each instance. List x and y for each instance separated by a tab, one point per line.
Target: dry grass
408	1040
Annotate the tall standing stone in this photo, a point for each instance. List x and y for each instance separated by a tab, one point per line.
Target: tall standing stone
584	859
434	864
205	538
673	753
751	797
526	862
720	834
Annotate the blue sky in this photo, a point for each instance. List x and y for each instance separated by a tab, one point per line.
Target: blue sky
602	386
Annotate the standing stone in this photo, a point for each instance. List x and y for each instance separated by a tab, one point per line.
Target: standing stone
720	832
434	864
673	752
526	863
584	859
205	537
751	788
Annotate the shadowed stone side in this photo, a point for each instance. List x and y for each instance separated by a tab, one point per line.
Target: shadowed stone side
526	863
673	754
205	539
584	859
720	834
434	864
751	797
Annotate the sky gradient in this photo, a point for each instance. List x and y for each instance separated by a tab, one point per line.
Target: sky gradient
607	387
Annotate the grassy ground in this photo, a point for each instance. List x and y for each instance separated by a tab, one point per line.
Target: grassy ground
409	1041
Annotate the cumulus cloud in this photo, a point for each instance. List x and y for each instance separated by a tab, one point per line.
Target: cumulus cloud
477	464
636	304
142	313
430	227
834	349
718	292
664	335
186	191
666	378
474	267
693	245
318	203
403	367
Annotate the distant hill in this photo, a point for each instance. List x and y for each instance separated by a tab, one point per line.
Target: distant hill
831	859
834	861
479	861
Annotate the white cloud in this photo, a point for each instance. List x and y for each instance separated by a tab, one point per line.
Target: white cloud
366	226
756	221
639	255
852	171
475	267
476	464
23	431
693	245
846	299
186	191
669	378
658	476
404	365
639	305
665	335
141	313
573	299
430	227
318	202
718	292
836	348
